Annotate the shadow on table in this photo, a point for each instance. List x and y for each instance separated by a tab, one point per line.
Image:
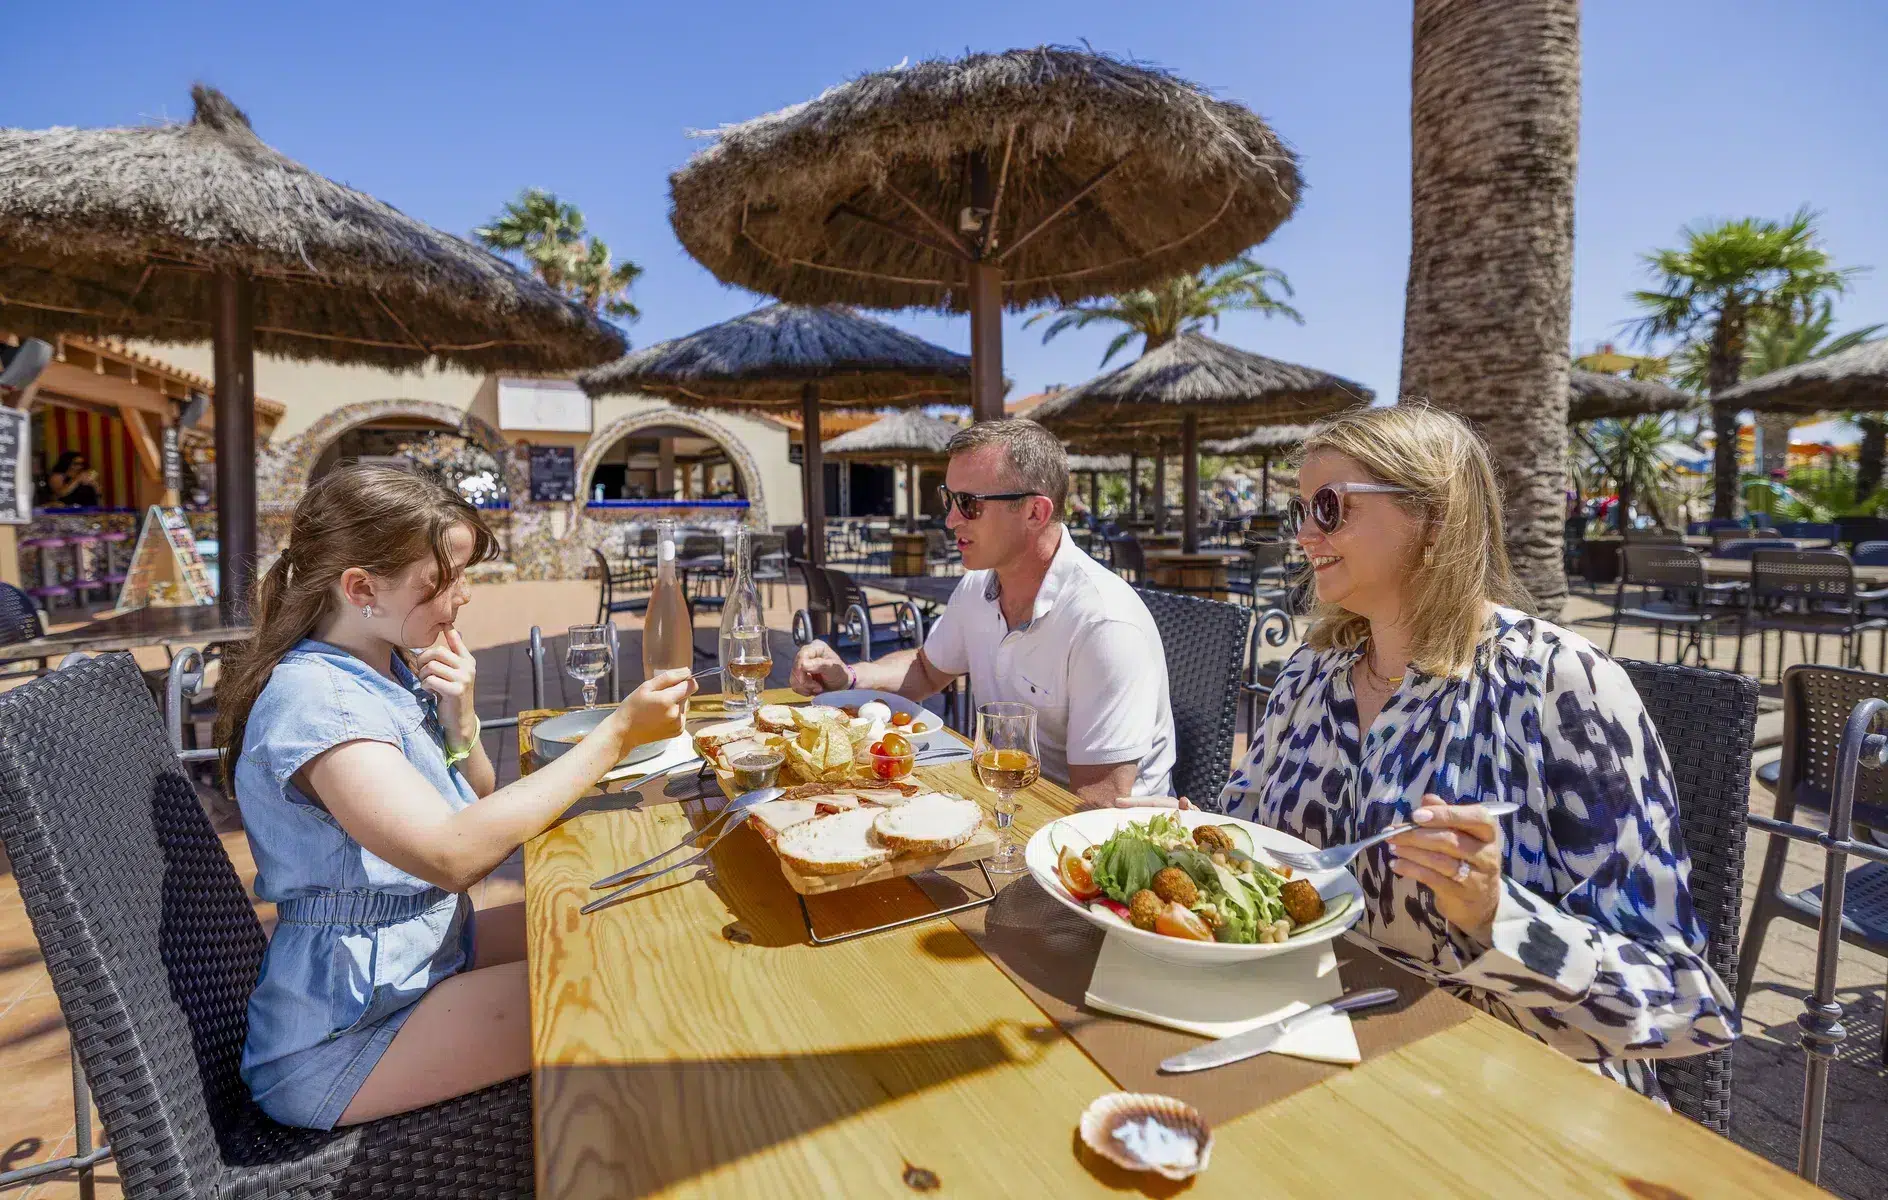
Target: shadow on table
641	1127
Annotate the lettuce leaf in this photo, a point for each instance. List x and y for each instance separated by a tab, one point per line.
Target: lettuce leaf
1127	863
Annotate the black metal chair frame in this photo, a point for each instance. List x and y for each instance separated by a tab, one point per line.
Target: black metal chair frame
1273	628
1810	593
1674	593
634	576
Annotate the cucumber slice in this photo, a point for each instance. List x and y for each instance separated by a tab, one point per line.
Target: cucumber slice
1242	840
1334	911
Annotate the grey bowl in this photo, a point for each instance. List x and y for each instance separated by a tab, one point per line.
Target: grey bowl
553	737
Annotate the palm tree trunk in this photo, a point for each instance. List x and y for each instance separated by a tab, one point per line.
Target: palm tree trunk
1869	456
1722	370
1494	131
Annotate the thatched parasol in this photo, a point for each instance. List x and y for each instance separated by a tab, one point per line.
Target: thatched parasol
1596	397
907	437
1196	387
1855	380
988	182
188	232
791	354
1265	443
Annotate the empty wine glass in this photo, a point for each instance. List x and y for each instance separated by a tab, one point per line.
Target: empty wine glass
1007	762
587	658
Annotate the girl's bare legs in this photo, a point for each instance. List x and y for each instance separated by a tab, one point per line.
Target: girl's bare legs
469	1032
498	935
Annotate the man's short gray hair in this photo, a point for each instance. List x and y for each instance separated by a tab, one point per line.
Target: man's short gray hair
1038	463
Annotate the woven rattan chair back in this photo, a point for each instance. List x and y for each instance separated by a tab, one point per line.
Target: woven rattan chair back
153	949
1662	567
1804	576
1205	644
1707	720
19	616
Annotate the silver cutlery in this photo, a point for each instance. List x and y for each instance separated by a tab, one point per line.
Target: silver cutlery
737	807
1332	857
1253	1042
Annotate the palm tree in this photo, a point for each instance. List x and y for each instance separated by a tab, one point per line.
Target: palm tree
1726	279
549	235
1494	129
1184	304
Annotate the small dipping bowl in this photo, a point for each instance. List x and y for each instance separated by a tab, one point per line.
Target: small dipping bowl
889	767
755	769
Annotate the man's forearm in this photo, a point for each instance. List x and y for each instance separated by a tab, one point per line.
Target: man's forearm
907	672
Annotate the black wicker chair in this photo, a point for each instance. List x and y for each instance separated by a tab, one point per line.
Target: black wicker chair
153	949
1809	593
20	621
1674	593
1706	719
1205	643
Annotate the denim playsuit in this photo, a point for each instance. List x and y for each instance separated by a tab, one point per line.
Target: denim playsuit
357	940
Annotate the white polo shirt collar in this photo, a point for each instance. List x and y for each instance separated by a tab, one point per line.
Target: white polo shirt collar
1061	568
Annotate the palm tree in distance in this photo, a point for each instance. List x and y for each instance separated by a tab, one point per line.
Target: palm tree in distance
1183	304
548	234
1725	281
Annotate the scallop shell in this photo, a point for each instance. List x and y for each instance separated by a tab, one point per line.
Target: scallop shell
1109	1112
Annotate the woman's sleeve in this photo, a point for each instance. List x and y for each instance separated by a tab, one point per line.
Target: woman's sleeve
1619	956
309	709
1242	787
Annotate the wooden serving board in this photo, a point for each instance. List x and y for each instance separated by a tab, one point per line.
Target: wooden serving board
981	846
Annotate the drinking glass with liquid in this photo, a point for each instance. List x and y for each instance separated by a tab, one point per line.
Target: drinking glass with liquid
746	658
668	632
587	658
1007	761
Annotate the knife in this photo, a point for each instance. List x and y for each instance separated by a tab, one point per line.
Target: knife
1266	1037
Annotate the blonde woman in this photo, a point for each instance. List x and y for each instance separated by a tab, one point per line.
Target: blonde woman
1424	688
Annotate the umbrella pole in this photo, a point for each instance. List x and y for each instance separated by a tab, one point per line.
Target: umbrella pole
234	351
911	495
813	474
1134	486
1094	494
986	310
1265	484
1160	486
1190	481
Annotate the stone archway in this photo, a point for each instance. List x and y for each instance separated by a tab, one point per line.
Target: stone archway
282	470
680	418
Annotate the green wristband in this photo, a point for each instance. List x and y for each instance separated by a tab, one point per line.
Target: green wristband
455	757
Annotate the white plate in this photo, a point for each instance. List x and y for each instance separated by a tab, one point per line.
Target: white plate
1099	825
891	700
553	737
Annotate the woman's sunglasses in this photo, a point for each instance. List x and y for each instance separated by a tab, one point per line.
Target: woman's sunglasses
1326	507
971	504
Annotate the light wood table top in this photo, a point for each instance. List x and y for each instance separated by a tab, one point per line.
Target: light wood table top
691	1042
1208	555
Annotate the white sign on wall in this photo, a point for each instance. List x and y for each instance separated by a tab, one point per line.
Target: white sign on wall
542	405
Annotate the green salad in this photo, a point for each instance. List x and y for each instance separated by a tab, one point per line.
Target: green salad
1204	884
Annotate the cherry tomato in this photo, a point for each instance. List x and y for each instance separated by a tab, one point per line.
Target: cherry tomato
878	747
1179	921
901	718
1076	875
897	744
885	768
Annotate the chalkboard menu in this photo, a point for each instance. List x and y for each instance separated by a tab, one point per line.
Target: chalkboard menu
16	472
553	473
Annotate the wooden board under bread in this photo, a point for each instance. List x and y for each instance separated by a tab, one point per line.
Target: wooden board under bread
981	845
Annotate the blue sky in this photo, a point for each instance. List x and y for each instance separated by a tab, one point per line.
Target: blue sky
1692	109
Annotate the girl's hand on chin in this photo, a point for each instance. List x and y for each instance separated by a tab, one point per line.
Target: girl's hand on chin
448	670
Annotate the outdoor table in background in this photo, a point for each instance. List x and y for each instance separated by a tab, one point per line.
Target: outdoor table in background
933	591
196	625
1160	541
1199	574
691	1041
1738	570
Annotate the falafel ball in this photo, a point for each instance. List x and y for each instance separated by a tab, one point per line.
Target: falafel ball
1302	902
1144	908
1211	837
1173	884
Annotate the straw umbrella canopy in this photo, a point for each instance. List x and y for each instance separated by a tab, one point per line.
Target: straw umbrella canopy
907	437
1198	388
1265	443
1853	380
188	232
1596	397
988	182
792	356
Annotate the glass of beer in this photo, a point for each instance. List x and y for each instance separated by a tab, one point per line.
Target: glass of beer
587	658
1006	762
749	660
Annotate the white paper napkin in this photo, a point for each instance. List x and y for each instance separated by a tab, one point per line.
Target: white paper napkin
678	750
1221	1000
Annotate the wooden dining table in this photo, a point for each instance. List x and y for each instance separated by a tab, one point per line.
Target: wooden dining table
691	1041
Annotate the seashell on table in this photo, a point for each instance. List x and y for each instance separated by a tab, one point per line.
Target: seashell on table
1124	1126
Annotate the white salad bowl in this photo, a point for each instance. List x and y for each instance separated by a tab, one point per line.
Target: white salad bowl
1085	828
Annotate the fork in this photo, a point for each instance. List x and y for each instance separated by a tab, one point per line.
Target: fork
736	807
1332	857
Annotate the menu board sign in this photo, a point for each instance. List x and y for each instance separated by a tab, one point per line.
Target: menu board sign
167	569
553	473
16	471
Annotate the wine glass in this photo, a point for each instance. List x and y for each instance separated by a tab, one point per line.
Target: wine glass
1006	762
587	658
749	660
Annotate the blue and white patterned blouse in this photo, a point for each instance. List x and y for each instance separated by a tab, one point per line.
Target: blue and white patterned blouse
1596	950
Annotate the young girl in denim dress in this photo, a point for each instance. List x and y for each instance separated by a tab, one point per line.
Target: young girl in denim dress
372	809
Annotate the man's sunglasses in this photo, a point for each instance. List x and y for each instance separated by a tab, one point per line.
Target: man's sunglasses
1326	507
971	504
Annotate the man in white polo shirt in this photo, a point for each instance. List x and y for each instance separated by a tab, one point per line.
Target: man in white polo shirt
1034	620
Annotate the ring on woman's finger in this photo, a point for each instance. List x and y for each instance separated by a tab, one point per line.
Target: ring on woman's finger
1461	871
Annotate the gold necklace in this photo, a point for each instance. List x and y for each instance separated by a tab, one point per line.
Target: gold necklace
1392	680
